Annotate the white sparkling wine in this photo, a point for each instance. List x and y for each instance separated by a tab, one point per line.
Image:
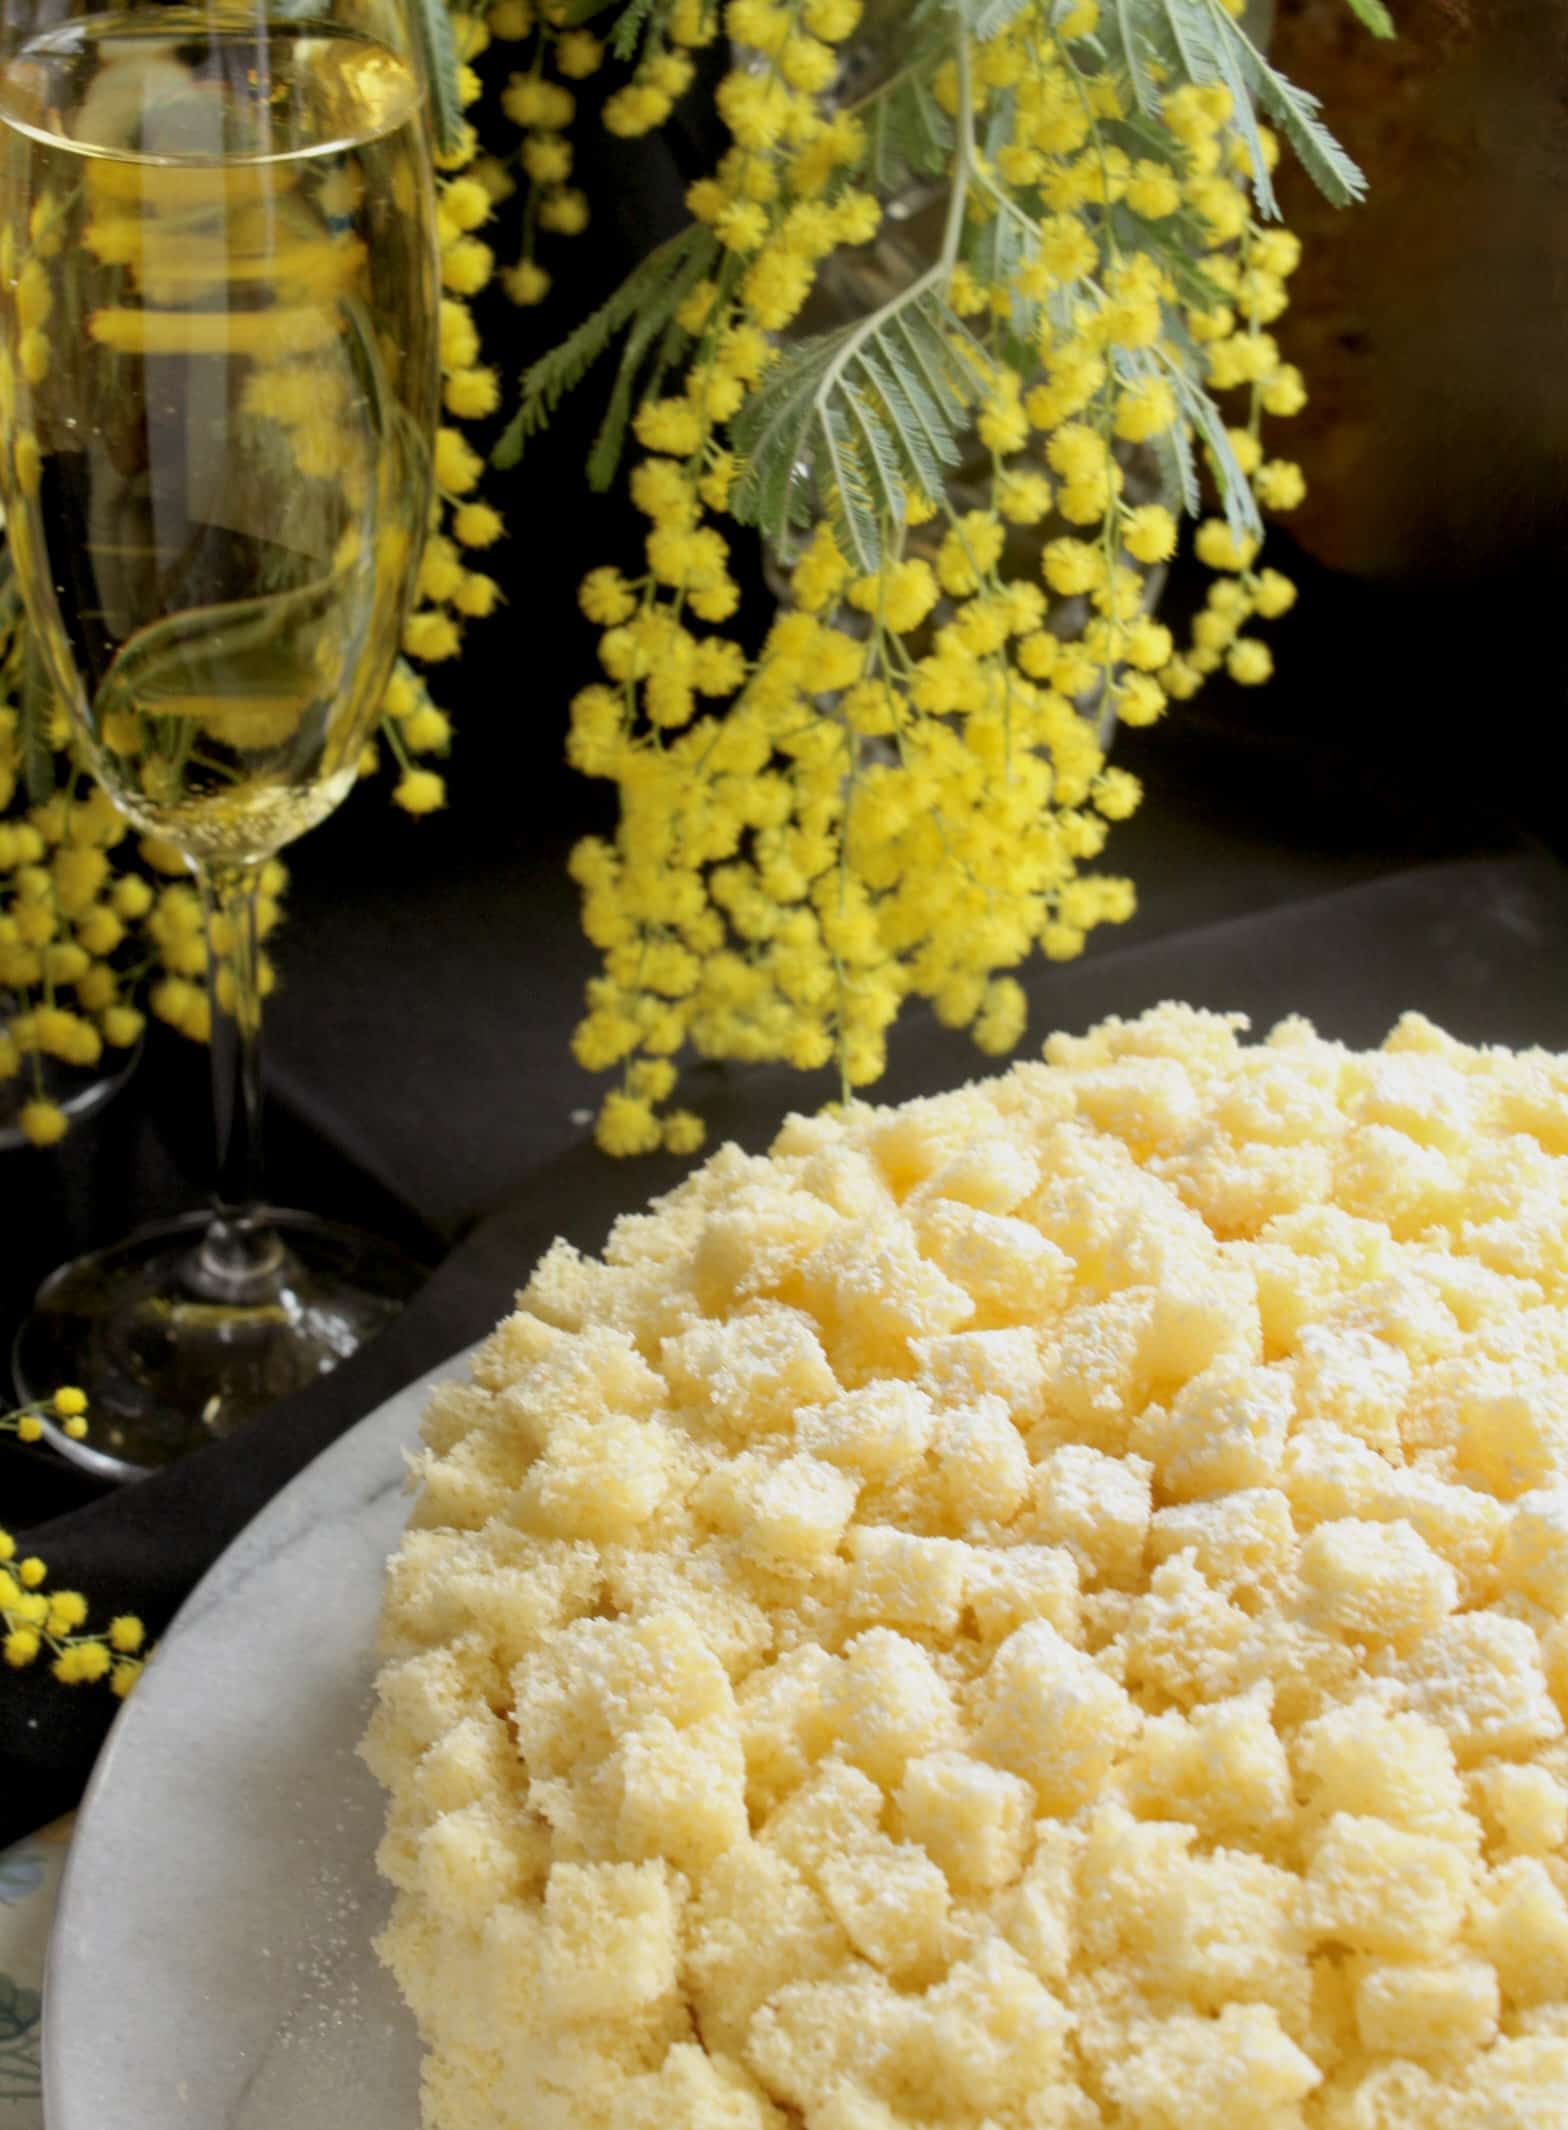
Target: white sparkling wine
218	315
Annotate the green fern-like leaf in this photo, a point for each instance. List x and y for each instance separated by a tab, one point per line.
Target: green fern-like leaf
1178	472
629	26
1243	69
1241	510
998	248
934	369
878	465
773	436
909	133
1207	52
924	427
653	290
1132	35
1189	41
1334	173
849	420
608	445
1373	15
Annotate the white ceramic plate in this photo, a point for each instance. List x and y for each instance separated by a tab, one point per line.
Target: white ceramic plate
210	1963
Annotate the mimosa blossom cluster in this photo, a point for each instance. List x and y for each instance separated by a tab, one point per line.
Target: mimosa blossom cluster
39	1623
897	793
450	591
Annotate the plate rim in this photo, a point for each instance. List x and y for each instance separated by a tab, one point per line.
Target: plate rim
54	2054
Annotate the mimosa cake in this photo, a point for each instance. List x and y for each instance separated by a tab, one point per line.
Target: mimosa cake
1044	1608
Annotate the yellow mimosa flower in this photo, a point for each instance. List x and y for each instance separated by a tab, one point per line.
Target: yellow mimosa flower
34	297
29	463
34	354
173	186
246	722
290	330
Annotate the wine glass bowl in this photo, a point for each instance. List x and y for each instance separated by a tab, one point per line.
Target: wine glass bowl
217	460
218	320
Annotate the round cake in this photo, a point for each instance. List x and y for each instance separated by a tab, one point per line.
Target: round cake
1044	1608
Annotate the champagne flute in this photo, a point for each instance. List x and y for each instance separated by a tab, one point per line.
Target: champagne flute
218	315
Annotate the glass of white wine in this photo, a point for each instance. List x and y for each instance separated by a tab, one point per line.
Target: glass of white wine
218	317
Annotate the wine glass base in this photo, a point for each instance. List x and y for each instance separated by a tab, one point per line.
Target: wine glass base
166	1368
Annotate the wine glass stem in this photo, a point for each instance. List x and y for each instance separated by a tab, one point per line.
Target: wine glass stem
240	1257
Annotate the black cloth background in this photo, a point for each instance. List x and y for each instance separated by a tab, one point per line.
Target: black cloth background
1340	844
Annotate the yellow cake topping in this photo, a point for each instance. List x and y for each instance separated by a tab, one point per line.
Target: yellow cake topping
1040	1609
